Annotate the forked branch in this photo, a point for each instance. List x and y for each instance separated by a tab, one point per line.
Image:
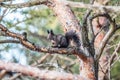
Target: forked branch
107	36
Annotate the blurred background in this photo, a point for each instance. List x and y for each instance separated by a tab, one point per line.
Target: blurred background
36	21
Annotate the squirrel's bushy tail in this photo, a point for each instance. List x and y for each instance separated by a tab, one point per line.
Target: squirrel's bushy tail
73	36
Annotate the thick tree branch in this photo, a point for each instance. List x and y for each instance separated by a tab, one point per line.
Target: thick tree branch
93	7
70	3
23	40
37	73
70	22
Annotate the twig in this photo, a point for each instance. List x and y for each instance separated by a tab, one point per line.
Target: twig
1	17
53	58
111	60
15	76
114	54
101	69
9	41
41	59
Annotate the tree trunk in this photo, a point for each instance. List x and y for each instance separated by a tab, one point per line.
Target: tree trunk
70	22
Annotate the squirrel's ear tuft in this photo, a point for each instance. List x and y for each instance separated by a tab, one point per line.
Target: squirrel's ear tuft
48	31
51	31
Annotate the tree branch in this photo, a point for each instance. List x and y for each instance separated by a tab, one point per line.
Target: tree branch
25	42
6	0
68	20
71	3
93	7
114	58
107	37
37	73
102	27
9	41
22	5
114	55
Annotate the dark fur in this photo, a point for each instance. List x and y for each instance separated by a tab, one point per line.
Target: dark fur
63	41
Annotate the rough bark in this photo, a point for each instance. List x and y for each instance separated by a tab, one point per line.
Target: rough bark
37	73
67	18
97	24
69	21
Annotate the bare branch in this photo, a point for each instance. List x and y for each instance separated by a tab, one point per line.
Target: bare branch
4	12
107	37
22	5
93	35
37	73
99	7
15	76
9	41
70	3
114	55
41	59
6	0
114	58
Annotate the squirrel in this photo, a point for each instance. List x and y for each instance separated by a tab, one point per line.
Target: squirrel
63	41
